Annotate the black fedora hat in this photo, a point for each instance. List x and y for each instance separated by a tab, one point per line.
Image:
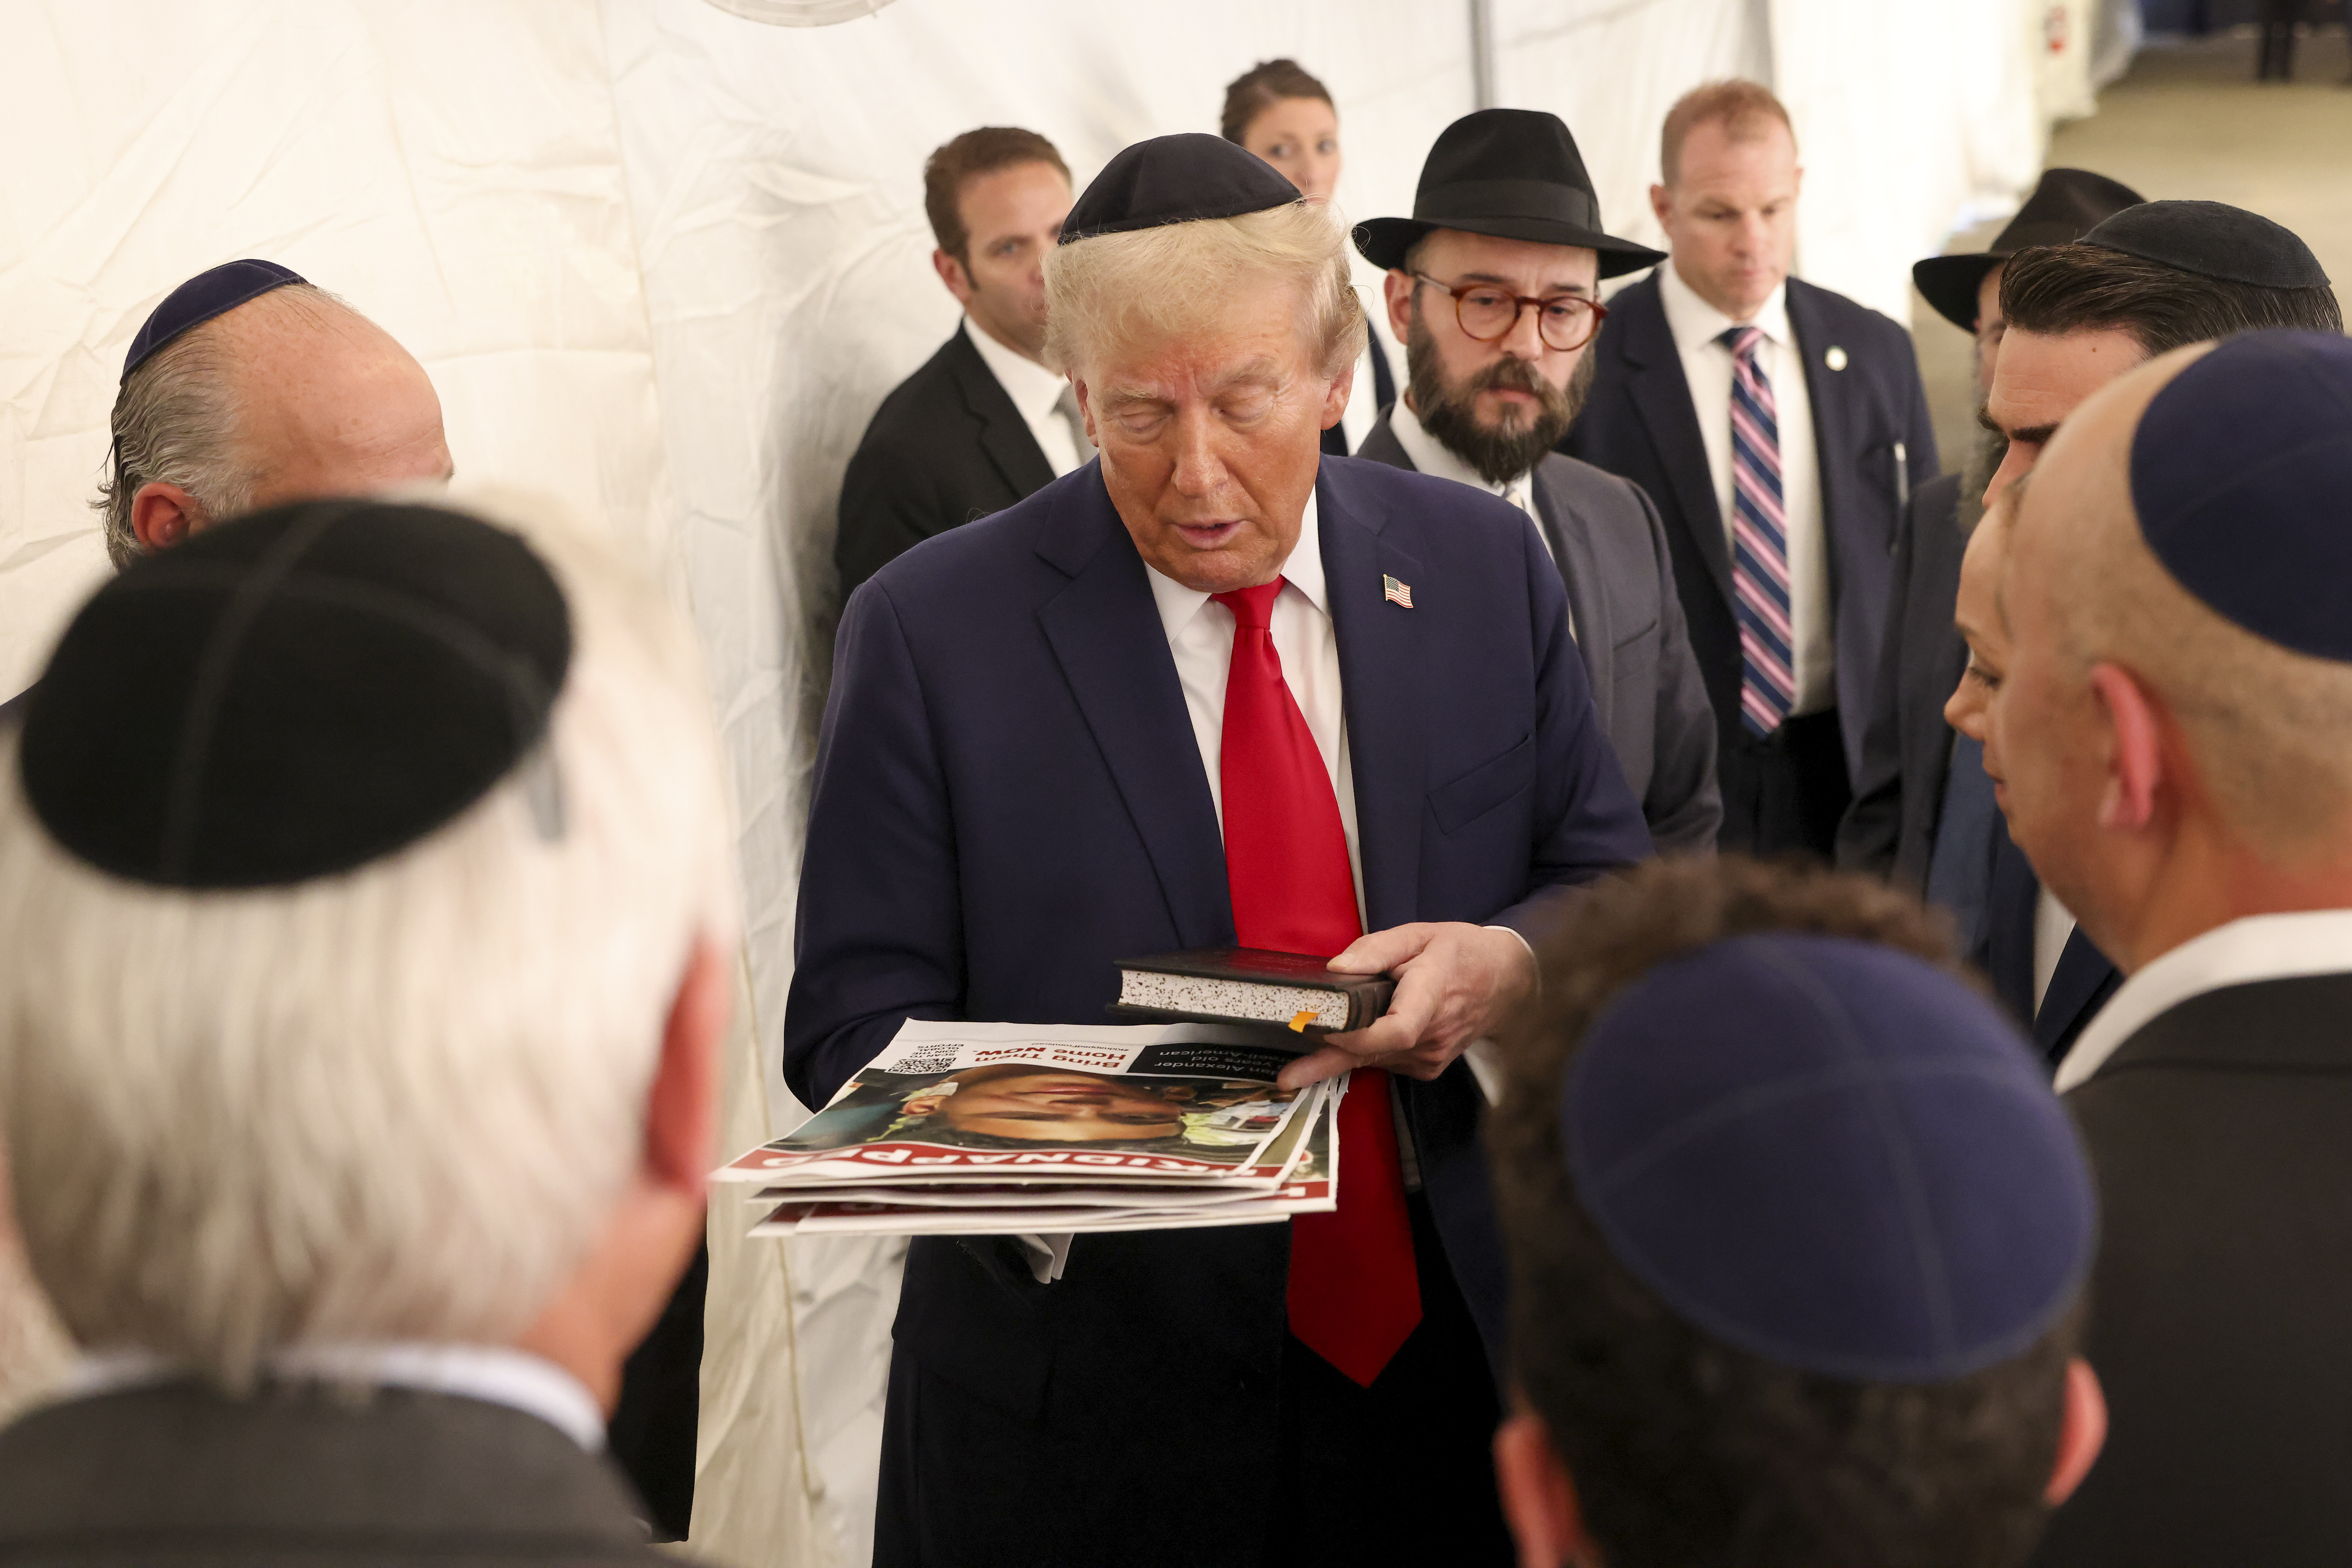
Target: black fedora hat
1511	173
2064	206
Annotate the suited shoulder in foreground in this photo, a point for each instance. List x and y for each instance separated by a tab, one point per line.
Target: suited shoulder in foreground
1496	299
1781	429
1215	686
982	422
2173	740
360	1184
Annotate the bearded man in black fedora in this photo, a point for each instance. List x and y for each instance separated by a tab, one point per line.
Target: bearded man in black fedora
1493	287
1780	428
1923	811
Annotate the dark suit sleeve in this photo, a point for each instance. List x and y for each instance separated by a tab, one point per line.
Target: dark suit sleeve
1588	822
1872	829
1684	807
878	938
890	502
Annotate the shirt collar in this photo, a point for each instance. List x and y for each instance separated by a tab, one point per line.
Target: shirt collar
496	1375
2257	947
1304	571
1034	389
1693	322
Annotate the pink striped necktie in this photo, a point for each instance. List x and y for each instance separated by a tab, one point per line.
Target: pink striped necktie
1759	542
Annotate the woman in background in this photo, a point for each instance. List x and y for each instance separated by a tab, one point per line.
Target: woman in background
1286	117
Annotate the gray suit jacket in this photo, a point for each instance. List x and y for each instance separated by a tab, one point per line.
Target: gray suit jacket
1612	552
178	1475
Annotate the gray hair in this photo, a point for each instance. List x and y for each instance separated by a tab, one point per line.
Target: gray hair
176	423
394	1104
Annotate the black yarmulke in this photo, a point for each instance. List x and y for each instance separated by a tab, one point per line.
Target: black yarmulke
294	694
2212	239
1176	179
2239	472
214	292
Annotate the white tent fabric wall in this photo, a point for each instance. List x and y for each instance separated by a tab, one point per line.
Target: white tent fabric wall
451	169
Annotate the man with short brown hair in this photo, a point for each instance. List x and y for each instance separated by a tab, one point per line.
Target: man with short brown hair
1726	1352
983	422
1781	429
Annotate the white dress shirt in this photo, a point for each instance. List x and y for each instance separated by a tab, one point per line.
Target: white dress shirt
1707	367
496	1375
1201	640
2257	947
1036	392
2054	924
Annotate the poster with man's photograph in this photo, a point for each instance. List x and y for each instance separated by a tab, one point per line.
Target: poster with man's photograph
951	1103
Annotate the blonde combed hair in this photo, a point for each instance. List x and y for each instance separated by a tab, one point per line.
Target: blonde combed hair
396	1103
1122	290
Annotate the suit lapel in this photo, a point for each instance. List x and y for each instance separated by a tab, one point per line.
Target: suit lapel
1004	436
1832	419
1382	655
2079	986
1662	396
1571	549
1106	633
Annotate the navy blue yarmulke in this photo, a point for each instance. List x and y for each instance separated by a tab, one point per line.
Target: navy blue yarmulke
1176	179
2242	476
1831	1155
212	293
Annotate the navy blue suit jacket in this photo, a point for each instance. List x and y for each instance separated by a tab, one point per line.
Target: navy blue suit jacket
1009	799
1875	445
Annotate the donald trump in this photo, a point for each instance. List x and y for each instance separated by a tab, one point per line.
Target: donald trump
1213	687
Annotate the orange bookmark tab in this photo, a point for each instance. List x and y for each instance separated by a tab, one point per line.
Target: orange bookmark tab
1299	1023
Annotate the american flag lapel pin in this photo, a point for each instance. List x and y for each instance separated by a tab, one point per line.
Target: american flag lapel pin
1396	593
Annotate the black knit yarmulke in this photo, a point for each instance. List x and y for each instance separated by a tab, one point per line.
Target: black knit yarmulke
294	694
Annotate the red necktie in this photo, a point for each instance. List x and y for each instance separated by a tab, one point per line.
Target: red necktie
1353	1293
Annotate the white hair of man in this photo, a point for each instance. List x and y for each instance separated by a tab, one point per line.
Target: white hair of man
393	1104
2271	729
176	422
1118	292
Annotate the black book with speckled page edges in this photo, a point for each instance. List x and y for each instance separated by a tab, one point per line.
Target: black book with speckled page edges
1250	985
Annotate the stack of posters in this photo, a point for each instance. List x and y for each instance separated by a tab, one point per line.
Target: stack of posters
1013	1128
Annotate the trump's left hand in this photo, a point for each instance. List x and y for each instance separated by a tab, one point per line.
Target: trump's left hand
1454	982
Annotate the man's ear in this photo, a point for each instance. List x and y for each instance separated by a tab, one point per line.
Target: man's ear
2082	1431
2136	750
682	1106
1539	1496
1085	410
163	514
952	273
1335	396
1396	291
1662	203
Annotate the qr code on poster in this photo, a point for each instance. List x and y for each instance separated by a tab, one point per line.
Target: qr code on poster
938	1056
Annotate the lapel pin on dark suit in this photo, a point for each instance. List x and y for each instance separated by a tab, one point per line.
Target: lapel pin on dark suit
1396	593
1835	358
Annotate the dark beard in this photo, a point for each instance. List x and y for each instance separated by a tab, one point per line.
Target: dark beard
1500	453
1984	456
